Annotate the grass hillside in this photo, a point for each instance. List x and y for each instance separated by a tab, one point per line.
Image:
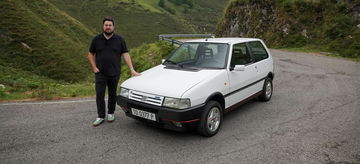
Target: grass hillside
321	25
141	21
203	15
137	24
206	14
20	84
147	56
40	47
44	43
38	38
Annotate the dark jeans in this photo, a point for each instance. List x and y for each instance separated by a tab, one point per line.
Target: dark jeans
101	81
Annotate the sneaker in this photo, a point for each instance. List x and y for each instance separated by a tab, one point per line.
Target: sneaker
110	117
98	121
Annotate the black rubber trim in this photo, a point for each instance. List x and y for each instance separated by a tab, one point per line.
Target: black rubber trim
242	102
242	88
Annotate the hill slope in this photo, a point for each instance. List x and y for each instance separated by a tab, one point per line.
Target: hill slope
137	24
43	43
202	14
37	37
320	24
141	21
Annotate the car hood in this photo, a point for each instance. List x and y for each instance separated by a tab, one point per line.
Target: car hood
162	81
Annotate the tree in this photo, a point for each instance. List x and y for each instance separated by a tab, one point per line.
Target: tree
161	3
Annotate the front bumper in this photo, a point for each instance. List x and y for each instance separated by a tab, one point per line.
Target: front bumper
167	118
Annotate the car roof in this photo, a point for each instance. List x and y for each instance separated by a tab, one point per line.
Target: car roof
223	40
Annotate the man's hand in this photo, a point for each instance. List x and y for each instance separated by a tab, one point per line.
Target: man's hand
92	62
96	70
134	73
127	59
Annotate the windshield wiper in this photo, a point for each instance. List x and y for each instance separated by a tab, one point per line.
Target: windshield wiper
172	62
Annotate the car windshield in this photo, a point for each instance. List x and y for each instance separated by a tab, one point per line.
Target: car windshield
201	55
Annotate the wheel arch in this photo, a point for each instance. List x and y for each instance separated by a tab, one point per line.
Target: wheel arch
271	75
217	96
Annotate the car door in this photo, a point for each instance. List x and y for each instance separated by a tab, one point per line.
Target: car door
241	82
262	60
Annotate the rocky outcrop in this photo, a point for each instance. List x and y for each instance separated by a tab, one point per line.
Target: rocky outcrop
247	18
287	23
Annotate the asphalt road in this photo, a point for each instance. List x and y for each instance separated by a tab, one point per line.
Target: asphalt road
313	117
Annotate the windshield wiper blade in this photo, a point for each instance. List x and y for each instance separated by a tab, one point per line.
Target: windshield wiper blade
172	62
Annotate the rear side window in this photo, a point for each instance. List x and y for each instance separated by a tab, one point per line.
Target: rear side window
240	55
258	51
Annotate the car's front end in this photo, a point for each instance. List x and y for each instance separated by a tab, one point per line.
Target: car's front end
165	112
163	95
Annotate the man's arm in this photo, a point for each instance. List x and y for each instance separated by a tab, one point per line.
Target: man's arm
92	62
127	59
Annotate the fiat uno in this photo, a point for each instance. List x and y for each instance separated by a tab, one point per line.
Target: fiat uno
198	83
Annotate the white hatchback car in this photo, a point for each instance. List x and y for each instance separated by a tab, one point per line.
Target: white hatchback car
199	82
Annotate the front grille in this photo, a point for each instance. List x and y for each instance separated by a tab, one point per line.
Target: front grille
146	98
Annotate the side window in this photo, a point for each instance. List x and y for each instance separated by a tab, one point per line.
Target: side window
258	51
240	55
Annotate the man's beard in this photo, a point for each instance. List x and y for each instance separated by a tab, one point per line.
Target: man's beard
108	33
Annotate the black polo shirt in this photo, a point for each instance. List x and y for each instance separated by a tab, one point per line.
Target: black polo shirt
108	53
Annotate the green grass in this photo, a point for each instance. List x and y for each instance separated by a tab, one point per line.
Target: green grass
20	84
203	15
50	92
142	21
151	5
44	43
147	56
39	38
136	24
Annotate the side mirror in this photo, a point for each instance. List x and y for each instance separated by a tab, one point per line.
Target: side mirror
239	68
162	60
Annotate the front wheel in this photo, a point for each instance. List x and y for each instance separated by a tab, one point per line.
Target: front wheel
267	90
211	119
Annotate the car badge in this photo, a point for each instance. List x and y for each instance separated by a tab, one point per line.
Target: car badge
143	98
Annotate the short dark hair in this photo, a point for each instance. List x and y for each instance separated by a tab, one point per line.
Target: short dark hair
108	19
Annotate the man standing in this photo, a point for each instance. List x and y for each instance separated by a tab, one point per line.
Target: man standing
104	55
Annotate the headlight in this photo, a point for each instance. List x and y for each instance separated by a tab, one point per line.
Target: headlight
176	103
124	92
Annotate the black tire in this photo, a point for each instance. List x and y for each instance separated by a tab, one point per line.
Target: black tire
267	90
203	127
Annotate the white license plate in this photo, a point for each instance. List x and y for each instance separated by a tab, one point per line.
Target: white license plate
143	114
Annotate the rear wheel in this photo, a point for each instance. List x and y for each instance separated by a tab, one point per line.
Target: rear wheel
267	90
211	119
